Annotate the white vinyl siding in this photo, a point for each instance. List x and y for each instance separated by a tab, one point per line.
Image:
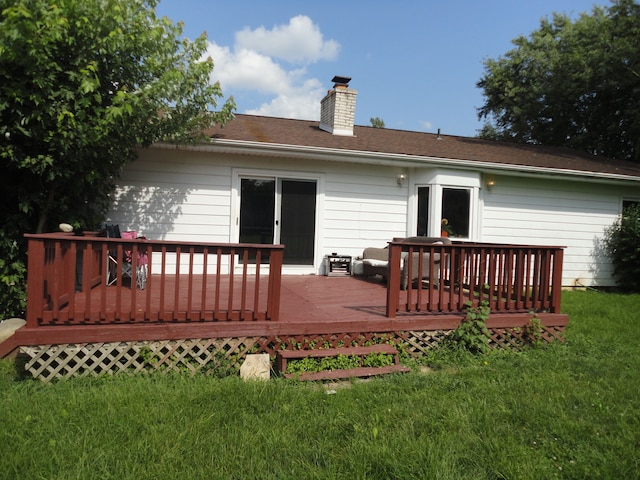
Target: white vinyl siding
165	200
364	206
557	213
186	194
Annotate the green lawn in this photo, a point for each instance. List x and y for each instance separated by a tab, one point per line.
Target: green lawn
565	411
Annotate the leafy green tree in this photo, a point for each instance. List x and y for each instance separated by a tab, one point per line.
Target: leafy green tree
376	122
83	83
570	83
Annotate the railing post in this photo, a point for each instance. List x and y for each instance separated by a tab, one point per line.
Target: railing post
35	281
393	282
556	281
275	279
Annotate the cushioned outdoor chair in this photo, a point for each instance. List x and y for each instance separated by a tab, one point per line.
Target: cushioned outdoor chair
375	261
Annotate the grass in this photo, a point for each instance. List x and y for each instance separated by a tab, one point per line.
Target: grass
564	411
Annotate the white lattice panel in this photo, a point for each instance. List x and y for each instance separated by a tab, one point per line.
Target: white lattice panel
47	362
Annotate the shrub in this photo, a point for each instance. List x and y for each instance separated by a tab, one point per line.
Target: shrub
12	277
472	334
622	242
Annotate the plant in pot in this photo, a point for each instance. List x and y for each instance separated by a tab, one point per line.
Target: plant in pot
445	228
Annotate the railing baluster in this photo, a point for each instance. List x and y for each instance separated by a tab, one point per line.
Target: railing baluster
203	286
232	265
149	282
102	315
243	295
510	294
176	287
163	284
535	288
528	272
190	311
256	290
545	281
134	282
216	308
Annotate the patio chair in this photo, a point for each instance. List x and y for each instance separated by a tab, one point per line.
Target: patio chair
375	261
127	263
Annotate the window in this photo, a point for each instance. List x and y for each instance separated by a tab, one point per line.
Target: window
444	194
423	211
456	208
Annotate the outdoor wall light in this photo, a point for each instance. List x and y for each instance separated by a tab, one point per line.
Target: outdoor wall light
401	179
489	183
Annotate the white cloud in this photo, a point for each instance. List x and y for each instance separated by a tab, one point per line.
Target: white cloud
252	66
301	102
298	42
426	125
246	70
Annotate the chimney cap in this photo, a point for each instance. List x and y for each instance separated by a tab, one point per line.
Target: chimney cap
341	81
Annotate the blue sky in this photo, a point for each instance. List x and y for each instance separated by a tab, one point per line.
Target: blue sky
415	64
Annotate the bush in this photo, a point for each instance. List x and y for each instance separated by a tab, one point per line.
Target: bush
12	277
472	333
622	242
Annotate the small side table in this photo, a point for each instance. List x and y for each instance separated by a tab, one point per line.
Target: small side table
338	265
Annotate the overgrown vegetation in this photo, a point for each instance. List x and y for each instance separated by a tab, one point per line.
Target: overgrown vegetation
338	362
563	411
472	334
622	241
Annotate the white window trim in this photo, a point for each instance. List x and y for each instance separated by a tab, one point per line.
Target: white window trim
437	180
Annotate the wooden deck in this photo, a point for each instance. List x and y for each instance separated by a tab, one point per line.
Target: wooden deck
70	300
319	304
309	305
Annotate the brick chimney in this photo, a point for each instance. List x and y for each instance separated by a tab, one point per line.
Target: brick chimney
338	108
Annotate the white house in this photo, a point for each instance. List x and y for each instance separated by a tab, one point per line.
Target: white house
330	186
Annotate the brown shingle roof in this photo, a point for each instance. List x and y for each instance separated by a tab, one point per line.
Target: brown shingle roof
305	133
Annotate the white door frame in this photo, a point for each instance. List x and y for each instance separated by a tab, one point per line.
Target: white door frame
234	234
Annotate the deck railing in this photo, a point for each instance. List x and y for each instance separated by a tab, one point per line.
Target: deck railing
81	280
70	281
510	278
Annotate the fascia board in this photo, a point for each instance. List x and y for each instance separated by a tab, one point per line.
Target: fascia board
242	147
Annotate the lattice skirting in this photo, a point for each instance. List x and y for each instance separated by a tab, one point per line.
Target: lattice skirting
223	356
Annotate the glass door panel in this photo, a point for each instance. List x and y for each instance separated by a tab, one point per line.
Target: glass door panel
279	211
257	210
298	221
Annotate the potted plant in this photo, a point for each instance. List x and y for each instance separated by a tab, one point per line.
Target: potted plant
445	228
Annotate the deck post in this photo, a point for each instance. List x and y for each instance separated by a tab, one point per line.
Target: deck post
556	281
35	281
275	279
393	282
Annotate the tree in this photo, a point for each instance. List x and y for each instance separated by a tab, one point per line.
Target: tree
573	84
83	83
376	122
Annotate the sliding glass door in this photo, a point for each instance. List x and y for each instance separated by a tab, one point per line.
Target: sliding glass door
280	210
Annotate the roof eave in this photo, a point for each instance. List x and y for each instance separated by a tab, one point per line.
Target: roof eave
244	147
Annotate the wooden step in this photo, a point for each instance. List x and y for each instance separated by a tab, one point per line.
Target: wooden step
361	372
283	356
